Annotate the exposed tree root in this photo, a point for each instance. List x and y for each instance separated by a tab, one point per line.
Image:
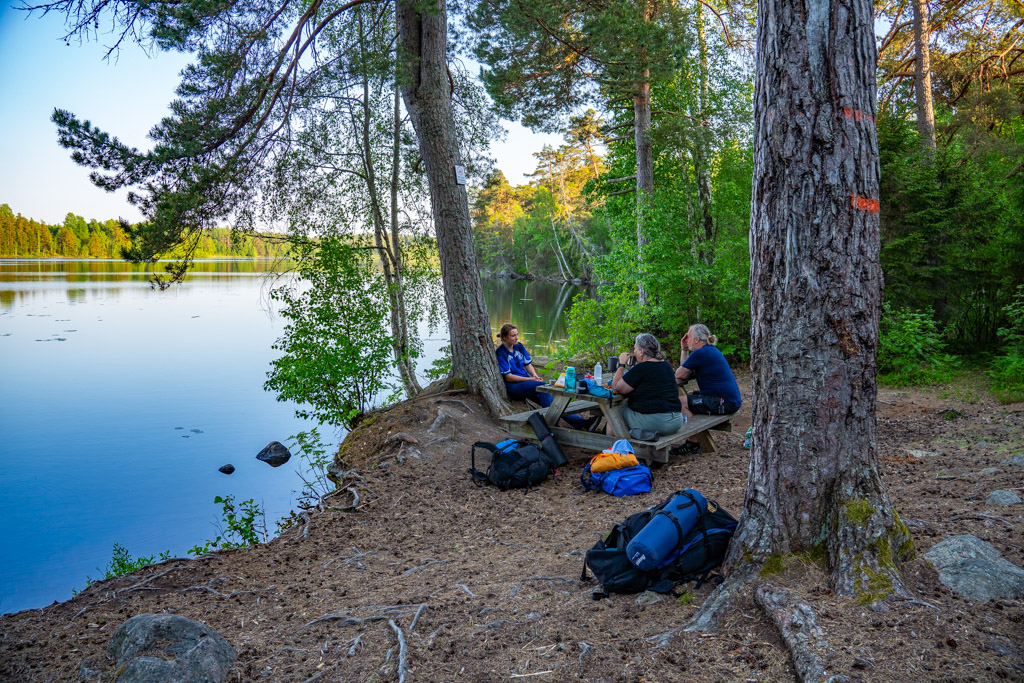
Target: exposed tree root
140	584
401	650
798	627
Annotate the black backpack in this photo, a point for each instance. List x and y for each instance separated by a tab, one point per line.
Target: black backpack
514	465
700	552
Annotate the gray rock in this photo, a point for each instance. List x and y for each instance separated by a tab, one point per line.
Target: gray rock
1016	461
185	651
922	454
990	470
1001	645
648	598
974	569
226	469
1002	497
274	454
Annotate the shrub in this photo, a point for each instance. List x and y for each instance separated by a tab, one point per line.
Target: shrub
1007	371
243	525
911	349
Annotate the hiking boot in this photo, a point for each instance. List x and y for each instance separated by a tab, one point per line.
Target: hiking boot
590	422
688	448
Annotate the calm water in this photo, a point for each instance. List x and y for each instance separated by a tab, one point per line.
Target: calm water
119	402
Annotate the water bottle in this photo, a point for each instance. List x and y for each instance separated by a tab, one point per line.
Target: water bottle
570	380
597	375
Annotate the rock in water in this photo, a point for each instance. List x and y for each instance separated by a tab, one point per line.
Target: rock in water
190	651
275	454
226	469
974	569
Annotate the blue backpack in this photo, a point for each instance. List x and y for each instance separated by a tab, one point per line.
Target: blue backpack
627	481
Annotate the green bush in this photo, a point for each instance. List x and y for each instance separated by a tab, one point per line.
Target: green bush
911	349
244	525
1007	371
122	563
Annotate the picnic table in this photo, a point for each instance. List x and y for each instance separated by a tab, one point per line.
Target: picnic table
571	403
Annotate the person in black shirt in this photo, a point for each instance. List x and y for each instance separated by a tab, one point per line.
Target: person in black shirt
650	387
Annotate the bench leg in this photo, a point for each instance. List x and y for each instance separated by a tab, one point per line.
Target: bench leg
556	409
614	417
707	444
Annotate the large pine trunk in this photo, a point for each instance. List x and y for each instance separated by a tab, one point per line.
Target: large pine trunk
644	171
426	89
816	286
923	75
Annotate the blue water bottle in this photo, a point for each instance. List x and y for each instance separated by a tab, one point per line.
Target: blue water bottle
570	379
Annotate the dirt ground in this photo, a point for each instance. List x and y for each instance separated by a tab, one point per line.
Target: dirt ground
498	573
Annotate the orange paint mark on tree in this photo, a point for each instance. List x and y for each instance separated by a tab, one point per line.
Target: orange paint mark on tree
857	114
864	203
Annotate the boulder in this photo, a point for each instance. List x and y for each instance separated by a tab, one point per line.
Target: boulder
1017	460
974	569
274	454
226	469
183	650
1002	497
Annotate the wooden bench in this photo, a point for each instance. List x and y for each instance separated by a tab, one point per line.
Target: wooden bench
571	409
649	451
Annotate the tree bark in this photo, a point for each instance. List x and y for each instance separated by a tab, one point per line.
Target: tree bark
644	170
423	32
813	483
706	236
923	75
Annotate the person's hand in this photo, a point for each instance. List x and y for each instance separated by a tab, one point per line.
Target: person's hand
684	342
624	358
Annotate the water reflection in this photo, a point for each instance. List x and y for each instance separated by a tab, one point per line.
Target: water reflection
538	309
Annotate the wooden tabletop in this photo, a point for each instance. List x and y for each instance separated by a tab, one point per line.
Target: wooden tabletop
614	399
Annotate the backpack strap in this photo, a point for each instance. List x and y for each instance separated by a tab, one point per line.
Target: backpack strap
587	480
480	478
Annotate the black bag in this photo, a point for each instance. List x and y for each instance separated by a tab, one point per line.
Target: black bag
701	551
514	465
706	404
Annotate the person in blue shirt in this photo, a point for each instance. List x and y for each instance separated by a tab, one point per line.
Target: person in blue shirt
521	379
699	359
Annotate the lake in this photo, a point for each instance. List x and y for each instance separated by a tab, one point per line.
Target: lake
119	402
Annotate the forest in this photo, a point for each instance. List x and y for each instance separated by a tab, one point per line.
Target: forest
834	188
22	237
951	204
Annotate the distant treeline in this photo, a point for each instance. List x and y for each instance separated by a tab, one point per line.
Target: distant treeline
22	237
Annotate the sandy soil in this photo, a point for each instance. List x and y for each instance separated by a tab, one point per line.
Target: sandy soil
497	573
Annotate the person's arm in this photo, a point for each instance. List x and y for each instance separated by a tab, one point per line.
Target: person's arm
619	385
513	378
532	372
683	373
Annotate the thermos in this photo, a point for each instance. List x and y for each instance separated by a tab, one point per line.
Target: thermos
653	546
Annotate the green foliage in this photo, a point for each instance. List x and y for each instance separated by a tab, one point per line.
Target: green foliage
1007	371
602	326
442	365
337	345
242	525
77	238
312	453
952	234
911	349
122	563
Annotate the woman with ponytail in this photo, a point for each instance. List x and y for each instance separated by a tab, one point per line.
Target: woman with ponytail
701	360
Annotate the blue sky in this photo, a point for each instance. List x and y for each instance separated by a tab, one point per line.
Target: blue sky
124	96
